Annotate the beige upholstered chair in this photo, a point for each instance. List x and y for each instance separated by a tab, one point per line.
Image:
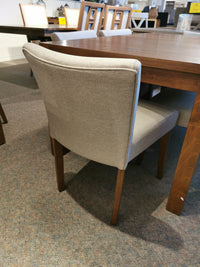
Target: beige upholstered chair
115	32
92	110
71	16
181	100
60	36
117	17
90	17
33	15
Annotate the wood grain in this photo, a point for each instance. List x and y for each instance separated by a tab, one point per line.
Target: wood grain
118	192
59	164
187	161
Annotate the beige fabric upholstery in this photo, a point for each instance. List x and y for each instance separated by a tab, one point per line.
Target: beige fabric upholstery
59	36
152	122
33	15
91	105
115	32
178	99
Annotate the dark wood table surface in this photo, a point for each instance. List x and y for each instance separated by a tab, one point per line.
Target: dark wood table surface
35	32
168	60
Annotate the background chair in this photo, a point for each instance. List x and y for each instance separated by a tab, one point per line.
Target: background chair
114	132
117	17
33	15
141	17
59	36
115	32
71	16
90	17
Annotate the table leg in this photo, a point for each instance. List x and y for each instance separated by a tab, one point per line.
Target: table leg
187	161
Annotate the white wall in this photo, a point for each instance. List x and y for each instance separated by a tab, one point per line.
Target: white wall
11	44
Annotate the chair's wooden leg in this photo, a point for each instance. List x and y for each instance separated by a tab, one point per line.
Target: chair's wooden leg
3	115
59	164
65	150
2	137
164	141
118	191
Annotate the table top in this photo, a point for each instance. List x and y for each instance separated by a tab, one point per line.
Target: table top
155	50
21	29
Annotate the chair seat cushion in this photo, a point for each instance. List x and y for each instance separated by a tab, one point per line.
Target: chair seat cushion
178	99
115	32
151	123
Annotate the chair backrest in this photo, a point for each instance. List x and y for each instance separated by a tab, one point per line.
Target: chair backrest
197	33
60	36
115	32
71	16
117	17
90	17
91	102
184	22
33	15
142	17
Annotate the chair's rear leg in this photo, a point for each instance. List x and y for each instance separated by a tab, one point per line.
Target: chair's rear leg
118	191
3	115
2	137
59	164
164	141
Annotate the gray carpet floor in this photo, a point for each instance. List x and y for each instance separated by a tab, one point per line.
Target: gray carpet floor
41	227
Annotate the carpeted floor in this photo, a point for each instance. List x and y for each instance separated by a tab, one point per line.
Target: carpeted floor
41	227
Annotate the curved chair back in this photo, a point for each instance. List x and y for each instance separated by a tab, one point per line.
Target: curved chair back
91	102
90	17
117	17
115	32
33	15
60	36
71	16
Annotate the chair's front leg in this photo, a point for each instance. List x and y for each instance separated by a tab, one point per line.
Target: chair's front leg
59	164
118	191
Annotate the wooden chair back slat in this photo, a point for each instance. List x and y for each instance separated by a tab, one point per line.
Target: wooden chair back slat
91	15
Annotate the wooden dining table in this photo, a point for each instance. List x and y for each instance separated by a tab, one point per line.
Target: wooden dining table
36	32
170	60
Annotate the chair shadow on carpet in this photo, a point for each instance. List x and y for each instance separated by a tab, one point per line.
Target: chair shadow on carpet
93	189
19	75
